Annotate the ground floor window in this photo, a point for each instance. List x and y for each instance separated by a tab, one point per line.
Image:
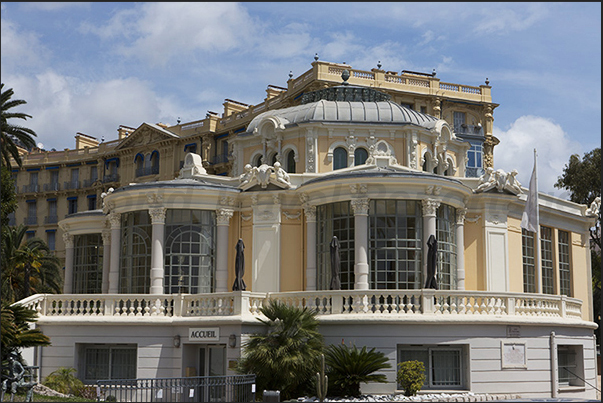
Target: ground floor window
444	365
569	361
109	361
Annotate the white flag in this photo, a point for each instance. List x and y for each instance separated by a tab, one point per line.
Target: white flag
529	219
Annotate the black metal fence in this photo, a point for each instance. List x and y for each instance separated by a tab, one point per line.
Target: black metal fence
234	388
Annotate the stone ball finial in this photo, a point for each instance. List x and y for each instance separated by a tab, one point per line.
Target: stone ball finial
345	75
487	82
379	64
315	57
290	74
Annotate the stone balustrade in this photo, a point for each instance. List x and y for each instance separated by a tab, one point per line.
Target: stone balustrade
382	303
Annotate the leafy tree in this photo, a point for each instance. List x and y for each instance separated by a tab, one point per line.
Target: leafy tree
349	367
16	333
7	195
13	135
286	356
582	178
28	266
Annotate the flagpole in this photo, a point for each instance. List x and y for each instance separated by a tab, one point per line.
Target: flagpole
538	248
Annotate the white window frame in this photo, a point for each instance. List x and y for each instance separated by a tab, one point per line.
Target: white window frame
429	384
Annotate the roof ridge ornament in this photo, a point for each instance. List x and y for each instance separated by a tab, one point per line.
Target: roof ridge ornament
345	76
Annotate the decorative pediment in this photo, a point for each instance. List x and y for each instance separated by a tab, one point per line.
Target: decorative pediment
146	134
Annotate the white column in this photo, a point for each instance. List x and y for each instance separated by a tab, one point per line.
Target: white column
460	248
430	207
158	230
310	213
223	217
115	220
361	268
68	283
106	259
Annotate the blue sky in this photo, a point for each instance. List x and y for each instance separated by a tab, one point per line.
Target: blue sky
90	67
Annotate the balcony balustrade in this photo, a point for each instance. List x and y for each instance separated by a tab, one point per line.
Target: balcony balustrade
31	188
72	185
51	219
398	304
52	187
111	178
30	220
145	171
89	182
474	130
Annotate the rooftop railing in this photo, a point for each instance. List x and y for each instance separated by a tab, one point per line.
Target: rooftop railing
415	303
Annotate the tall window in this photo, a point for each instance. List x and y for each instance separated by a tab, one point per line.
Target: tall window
360	156
135	258
75	178
33	181
475	159
51	239
340	158
529	268
459	122
336	219
105	361
446	237
92	202
52	217
72	205
54	179
546	248
444	366
93	173
87	264
190	251
395	244
565	274
147	164
571	371
290	162
32	213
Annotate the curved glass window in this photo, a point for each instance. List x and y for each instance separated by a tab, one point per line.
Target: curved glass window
446	236
189	251
290	162
135	260
395	234
87	264
340	158
360	156
335	219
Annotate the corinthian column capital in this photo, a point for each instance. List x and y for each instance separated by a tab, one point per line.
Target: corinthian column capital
157	215
360	206
223	216
430	206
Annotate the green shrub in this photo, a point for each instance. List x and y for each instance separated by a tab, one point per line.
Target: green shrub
349	367
411	376
63	380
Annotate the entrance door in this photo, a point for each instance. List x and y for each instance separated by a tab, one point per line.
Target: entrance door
212	362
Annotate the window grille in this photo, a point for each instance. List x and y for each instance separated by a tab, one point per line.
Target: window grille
546	248
565	275
336	219
87	264
529	268
110	362
444	366
135	261
446	237
395	228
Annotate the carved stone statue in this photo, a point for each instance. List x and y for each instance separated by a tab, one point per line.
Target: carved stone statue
487	181
512	184
594	208
281	175
246	176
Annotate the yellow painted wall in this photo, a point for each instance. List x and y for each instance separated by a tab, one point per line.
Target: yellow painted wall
581	283
247	236
474	278
292	269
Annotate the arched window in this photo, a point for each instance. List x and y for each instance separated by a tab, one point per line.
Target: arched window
135	256
139	161
273	159
147	164
340	158
360	156
290	162
257	161
155	162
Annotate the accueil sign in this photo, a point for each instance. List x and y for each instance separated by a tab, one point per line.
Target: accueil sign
204	334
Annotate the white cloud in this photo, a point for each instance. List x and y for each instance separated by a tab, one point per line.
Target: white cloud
61	106
20	49
53	6
500	18
552	144
157	32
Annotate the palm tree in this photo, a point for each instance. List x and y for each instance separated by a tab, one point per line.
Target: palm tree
349	367
16	332
286	356
13	136
28	266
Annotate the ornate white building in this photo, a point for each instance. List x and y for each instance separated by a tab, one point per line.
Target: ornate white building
149	271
